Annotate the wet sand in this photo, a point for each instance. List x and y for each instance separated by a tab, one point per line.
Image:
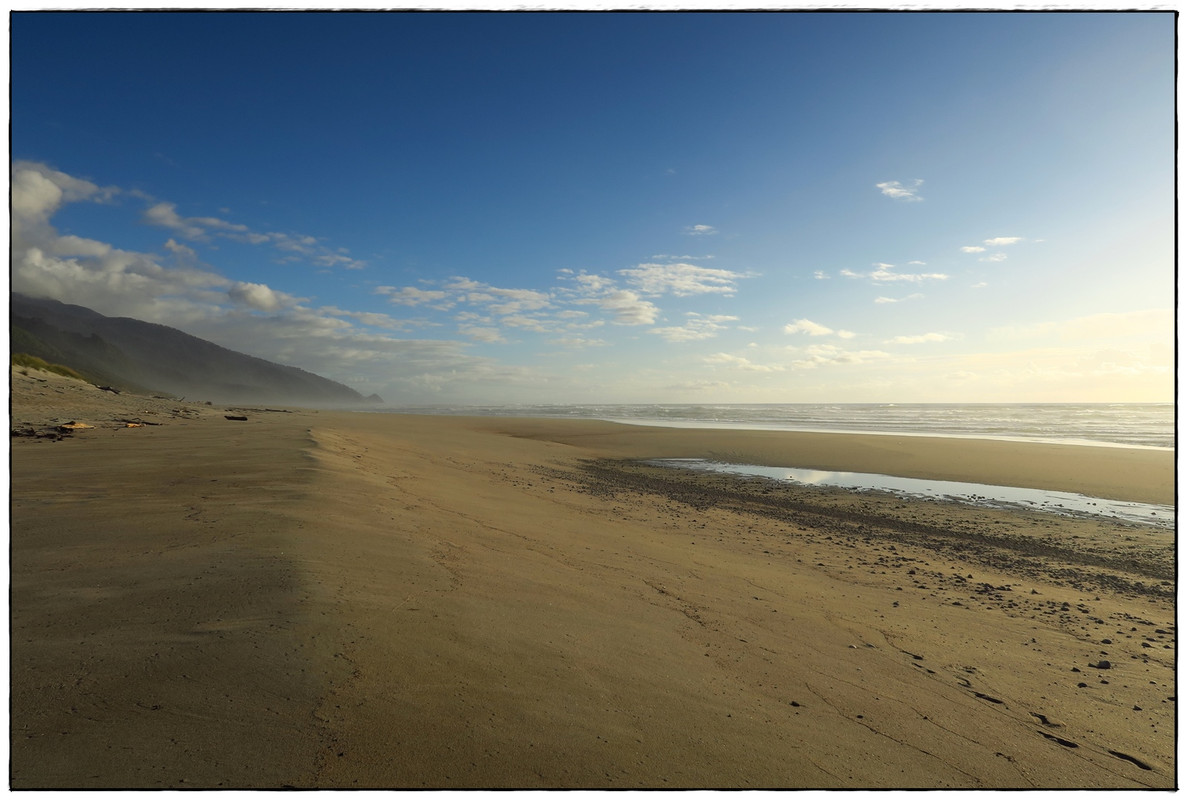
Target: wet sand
317	599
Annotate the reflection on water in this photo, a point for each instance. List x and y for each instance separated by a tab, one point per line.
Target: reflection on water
971	493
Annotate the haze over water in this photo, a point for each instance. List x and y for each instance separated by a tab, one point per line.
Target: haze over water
1119	424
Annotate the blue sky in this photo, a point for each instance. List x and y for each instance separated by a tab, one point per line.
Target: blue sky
690	207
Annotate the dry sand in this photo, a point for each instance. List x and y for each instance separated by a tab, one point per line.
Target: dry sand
361	600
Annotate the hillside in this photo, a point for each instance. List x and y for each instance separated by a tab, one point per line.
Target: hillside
131	354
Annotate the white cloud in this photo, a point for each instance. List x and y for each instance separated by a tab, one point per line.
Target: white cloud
371	318
807	326
580	341
682	280
500	301
738	362
980	285
181	251
199	229
829	355
899	191
626	306
37	192
592	283
668	257
259	297
695	328
819	275
165	215
411	296
482	334
914	296
700	230
920	339
248	317
525	322
1002	241
517	300
994	258
973	248
337	259
884	274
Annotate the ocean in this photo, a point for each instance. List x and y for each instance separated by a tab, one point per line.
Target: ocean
1114	424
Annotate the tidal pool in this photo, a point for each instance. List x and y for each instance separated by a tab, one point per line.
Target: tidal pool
1066	503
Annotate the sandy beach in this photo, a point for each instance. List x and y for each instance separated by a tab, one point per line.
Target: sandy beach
355	600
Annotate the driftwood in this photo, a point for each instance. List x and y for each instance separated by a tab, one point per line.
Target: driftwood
238	419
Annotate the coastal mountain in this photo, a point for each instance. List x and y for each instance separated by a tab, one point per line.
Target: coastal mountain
135	355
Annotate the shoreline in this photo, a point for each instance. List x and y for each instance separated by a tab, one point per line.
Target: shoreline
340	600
919	434
1126	474
793	427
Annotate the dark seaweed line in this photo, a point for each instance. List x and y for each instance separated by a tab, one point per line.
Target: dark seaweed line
694	492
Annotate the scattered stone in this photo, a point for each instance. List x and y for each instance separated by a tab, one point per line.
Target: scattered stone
235	418
1102	664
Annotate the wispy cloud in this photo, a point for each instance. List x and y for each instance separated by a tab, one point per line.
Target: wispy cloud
697	327
700	230
881	300
482	334
294	247
669	257
738	362
830	355
625	306
170	288
994	258
899	191
412	296
920	338
498	300
682	280
815	329
884	273
997	241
